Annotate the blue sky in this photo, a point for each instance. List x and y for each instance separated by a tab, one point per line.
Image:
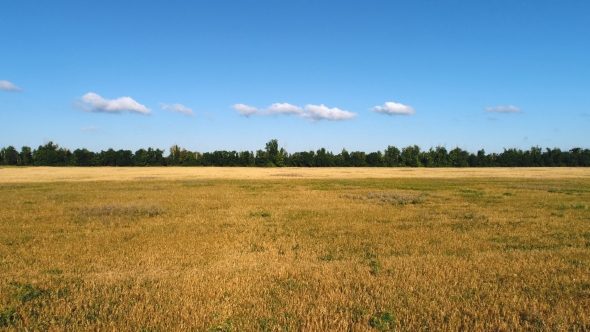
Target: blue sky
231	75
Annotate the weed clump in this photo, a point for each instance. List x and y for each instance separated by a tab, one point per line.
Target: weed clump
26	293
392	198
395	198
382	321
375	266
122	210
257	248
6	315
260	214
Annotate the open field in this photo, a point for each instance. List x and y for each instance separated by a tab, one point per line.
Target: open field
10	174
344	249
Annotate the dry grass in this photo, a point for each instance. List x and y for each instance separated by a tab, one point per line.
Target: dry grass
210	249
392	198
10	174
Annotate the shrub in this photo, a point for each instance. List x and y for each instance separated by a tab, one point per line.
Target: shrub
382	321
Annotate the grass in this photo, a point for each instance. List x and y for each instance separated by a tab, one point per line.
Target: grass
391	198
149	250
120	210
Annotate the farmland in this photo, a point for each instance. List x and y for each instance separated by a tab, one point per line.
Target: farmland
276	249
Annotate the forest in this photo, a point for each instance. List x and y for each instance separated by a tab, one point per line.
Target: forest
52	154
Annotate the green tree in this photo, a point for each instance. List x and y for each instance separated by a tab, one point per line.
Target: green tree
441	157
358	159
174	157
275	156
511	158
303	159
391	157
65	156
107	158
427	158
482	159
342	159
82	157
375	159
10	155
410	156
47	155
536	156
246	158
458	158
155	157
25	156
140	157
262	159
324	158
584	158
190	158
124	158
282	157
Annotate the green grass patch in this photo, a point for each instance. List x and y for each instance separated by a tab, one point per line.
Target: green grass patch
382	321
262	214
7	313
471	193
25	293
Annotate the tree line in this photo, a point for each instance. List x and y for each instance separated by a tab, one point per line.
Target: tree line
52	154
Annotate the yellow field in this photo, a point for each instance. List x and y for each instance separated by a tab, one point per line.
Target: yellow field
53	174
289	249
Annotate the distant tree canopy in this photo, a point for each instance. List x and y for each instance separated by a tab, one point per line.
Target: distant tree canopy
52	154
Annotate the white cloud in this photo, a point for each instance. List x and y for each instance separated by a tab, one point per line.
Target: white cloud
391	108
276	108
123	104
7	86
311	112
284	108
91	128
321	112
177	108
245	110
504	109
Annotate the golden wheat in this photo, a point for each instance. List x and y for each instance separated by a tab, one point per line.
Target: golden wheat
9	174
233	249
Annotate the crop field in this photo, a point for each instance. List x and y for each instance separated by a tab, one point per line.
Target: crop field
259	249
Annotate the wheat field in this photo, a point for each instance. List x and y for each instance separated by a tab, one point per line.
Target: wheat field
293	249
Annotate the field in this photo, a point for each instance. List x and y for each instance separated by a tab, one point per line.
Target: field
250	249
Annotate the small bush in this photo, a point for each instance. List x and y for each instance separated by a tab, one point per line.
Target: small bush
122	210
393	198
256	247
54	271
328	257
226	327
260	214
382	321
28	292
6	315
375	267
